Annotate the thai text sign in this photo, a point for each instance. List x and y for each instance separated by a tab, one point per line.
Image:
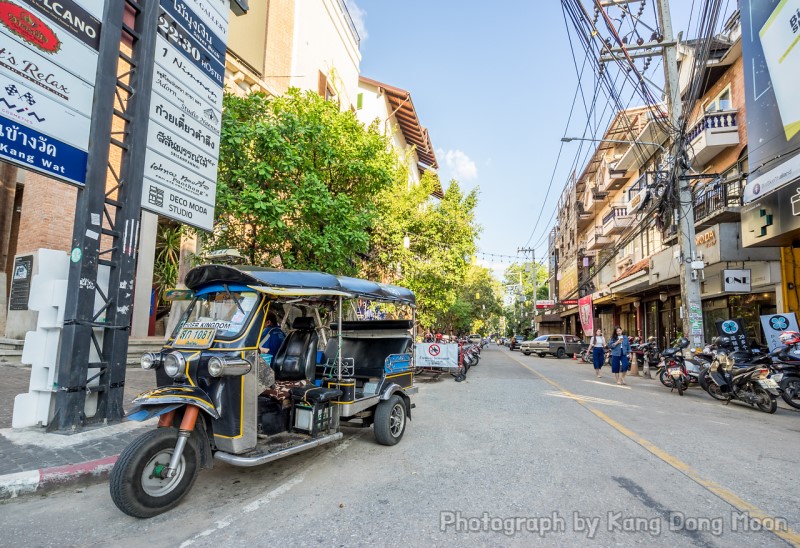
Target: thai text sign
48	65
186	111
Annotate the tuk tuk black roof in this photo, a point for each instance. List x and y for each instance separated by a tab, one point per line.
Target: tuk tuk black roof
305	279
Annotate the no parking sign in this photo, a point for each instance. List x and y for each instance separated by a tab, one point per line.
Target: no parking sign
775	324
436	355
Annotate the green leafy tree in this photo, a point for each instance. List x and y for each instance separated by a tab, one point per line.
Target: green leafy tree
518	282
297	182
440	237
478	305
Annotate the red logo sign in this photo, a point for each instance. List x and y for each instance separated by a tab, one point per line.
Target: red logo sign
434	350
28	27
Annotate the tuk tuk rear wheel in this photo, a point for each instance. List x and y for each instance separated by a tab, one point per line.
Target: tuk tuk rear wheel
390	421
134	481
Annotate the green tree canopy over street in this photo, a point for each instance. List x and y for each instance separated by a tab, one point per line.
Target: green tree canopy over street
297	180
304	185
441	241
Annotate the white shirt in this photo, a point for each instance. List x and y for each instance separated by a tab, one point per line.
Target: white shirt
598	342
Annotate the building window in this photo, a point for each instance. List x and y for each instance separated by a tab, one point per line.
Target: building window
360	101
720	102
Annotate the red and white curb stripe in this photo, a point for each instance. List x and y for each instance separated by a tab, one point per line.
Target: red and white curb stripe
23	483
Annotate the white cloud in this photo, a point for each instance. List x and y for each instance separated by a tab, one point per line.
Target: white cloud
358	15
461	166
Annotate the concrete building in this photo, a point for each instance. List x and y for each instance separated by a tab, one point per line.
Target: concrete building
606	246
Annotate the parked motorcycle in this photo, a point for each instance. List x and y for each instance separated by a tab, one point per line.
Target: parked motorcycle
749	383
786	368
674	369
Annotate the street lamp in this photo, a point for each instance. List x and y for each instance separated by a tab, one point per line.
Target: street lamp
631	142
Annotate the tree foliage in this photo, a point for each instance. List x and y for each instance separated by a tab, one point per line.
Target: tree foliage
478	305
297	180
441	241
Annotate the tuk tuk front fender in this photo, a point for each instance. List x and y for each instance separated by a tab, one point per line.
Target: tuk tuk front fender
181	395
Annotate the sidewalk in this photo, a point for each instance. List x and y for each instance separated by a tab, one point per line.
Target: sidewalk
34	461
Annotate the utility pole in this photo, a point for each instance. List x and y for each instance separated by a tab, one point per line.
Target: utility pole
691	310
691	303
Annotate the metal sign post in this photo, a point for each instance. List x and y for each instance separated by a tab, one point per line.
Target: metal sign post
106	226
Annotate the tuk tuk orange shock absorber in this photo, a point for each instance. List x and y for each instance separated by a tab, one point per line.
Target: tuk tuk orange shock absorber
187	425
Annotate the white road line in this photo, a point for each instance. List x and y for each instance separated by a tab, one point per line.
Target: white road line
591	399
614	385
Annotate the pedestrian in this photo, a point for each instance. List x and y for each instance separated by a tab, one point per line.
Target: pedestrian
598	345
620	348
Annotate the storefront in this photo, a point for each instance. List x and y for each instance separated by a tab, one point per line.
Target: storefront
748	307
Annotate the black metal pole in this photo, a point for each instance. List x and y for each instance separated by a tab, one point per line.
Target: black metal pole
108	210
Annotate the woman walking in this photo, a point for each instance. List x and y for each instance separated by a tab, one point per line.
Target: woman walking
620	348
598	345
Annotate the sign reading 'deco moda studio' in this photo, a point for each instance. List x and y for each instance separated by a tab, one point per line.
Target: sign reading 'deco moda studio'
186	111
48	64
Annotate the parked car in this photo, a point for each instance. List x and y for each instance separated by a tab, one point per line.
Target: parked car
515	342
475	338
555	345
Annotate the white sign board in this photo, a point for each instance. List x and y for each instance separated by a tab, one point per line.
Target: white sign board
186	112
736	281
48	64
775	324
436	355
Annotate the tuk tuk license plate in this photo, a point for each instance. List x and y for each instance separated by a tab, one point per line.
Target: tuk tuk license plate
194	337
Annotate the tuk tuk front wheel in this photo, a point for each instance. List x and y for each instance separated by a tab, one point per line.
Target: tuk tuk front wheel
137	483
390	420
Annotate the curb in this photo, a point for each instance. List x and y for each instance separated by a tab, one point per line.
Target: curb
46	479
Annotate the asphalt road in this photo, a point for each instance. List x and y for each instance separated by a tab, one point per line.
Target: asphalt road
526	450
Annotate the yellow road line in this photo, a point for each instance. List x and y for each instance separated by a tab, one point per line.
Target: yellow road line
726	495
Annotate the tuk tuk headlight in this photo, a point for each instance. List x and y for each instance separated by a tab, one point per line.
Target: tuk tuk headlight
228	367
150	360
174	364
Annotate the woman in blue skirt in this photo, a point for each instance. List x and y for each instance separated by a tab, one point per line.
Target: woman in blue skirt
620	348
598	345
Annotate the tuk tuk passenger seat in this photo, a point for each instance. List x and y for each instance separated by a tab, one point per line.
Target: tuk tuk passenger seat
296	358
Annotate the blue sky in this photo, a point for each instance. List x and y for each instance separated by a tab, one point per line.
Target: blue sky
493	82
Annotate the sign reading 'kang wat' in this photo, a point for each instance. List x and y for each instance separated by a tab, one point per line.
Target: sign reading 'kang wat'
48	65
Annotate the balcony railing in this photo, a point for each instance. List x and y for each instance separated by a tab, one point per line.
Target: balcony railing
713	120
350	22
717	198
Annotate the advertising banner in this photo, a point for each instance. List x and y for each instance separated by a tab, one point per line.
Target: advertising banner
735	330
437	355
775	324
586	313
771	56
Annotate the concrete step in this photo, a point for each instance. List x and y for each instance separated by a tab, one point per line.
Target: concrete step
11	344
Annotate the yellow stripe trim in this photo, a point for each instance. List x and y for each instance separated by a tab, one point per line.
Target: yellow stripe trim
726	495
789	49
775	13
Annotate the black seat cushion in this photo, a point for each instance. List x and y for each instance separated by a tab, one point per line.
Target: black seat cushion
315	394
297	355
368	354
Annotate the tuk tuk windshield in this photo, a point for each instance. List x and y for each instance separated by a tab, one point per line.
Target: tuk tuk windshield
226	311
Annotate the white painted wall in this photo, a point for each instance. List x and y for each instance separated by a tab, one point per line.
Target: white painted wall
375	106
324	42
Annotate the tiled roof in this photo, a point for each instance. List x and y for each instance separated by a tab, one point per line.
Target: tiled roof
644	264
